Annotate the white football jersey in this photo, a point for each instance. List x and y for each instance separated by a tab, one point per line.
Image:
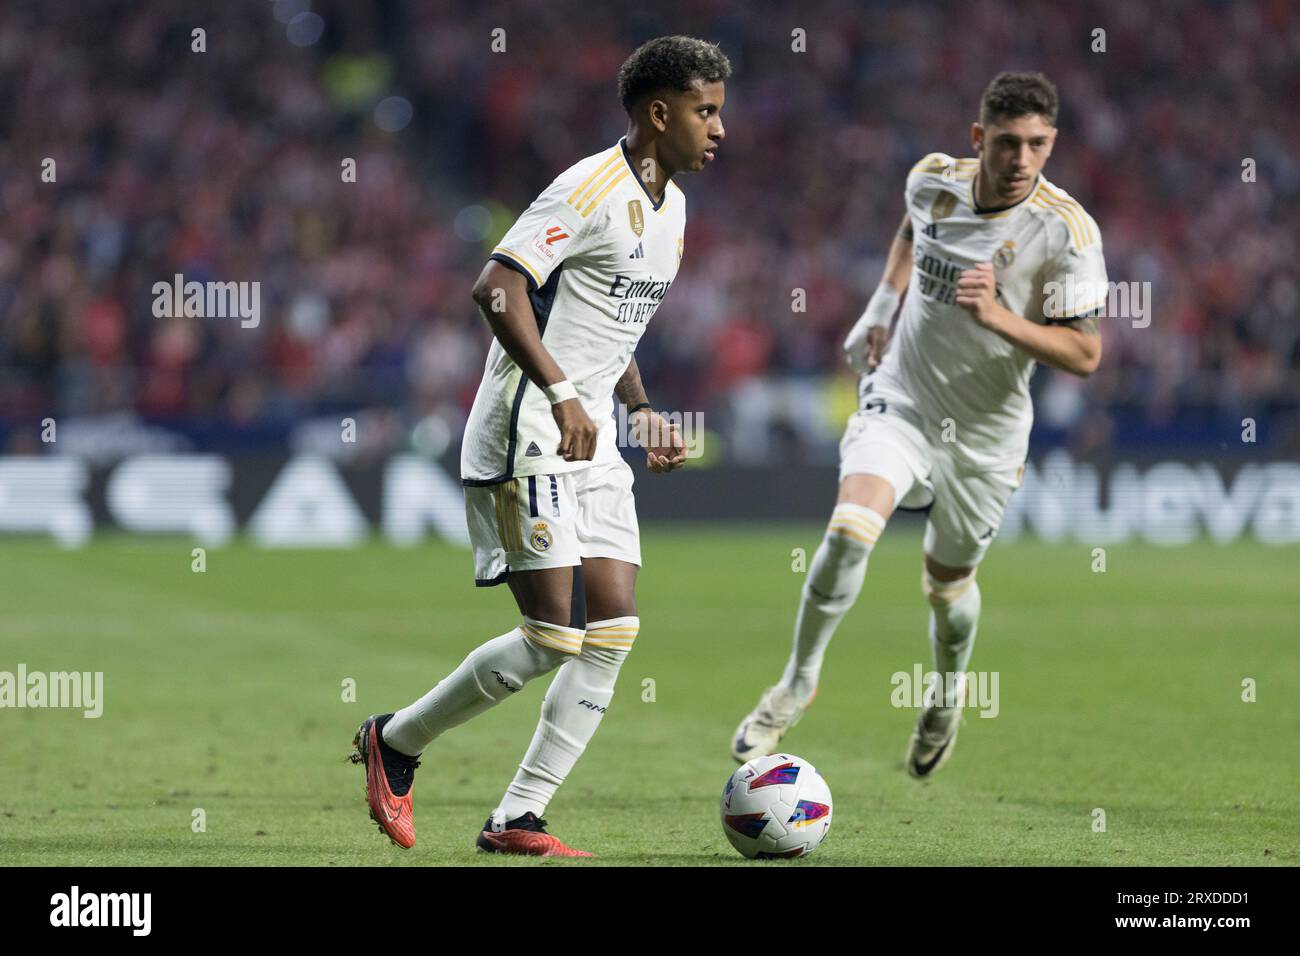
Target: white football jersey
599	257
966	382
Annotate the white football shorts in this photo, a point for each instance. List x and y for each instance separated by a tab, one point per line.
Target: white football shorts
964	506
553	521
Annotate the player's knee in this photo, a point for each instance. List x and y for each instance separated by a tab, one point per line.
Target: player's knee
853	530
609	641
504	665
843	549
944	591
553	597
867	491
556	641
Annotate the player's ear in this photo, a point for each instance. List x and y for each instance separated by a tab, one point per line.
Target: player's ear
658	113
977	136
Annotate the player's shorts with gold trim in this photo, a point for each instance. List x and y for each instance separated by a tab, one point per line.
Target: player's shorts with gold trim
553	521
963	505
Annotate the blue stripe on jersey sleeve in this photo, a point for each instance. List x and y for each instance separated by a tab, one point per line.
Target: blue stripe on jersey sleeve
510	263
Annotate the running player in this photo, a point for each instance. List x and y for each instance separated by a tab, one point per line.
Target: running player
568	294
1001	270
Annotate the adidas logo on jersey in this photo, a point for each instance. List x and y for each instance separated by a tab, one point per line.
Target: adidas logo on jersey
533	451
638	252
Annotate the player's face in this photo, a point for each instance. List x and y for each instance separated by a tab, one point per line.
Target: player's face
1012	153
693	125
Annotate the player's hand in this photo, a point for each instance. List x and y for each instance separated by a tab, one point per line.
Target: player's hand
577	431
977	293
664	448
877	339
864	355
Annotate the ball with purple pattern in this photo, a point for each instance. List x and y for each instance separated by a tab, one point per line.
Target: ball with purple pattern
776	807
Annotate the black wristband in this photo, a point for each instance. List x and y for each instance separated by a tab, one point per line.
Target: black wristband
636	408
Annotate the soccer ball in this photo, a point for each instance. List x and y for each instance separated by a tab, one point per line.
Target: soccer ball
775	807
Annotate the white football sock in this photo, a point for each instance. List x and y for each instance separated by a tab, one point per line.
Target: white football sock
491	673
833	584
954	619
571	712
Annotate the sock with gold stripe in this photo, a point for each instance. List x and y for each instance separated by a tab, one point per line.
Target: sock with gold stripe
833	584
571	712
954	619
491	673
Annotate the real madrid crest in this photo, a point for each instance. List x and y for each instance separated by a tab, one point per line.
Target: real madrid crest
1005	255
635	217
944	204
541	537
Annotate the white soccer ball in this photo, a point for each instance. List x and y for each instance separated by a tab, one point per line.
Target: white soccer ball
775	807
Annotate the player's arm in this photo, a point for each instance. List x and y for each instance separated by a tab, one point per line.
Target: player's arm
867	339
502	297
664	448
898	266
1073	345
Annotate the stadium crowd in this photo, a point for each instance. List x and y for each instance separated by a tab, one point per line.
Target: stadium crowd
229	165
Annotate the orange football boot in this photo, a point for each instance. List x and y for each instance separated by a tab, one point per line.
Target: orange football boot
390	780
524	836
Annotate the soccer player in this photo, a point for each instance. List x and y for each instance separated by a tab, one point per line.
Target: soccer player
567	293
1001	270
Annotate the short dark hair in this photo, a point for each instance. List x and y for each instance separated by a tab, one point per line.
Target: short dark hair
1019	94
669	63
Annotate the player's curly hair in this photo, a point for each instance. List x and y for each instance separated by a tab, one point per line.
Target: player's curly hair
669	63
1019	94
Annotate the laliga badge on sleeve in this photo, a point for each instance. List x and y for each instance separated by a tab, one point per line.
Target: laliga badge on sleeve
551	239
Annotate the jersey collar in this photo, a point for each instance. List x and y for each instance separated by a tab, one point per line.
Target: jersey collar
622	145
984	211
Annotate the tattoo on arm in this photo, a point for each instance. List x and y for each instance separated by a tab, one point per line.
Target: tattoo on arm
629	388
906	233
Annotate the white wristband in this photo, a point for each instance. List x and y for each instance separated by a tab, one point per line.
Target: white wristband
880	310
560	392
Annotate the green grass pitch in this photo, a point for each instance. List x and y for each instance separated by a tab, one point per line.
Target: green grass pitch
1119	690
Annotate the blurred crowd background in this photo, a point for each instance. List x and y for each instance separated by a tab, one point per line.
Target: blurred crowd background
226	165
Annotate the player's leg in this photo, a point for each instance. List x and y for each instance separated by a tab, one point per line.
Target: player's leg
954	597
581	691
546	637
583	687
839	566
967	512
522	531
540	563
882	458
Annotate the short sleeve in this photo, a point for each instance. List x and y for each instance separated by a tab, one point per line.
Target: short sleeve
548	232
930	164
1075	283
